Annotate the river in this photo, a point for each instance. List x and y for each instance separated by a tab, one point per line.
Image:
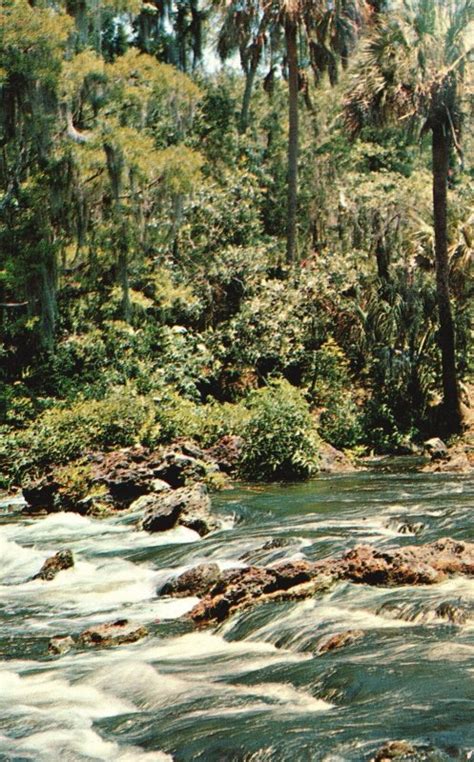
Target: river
256	688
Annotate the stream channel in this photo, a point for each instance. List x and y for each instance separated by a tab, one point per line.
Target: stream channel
256	687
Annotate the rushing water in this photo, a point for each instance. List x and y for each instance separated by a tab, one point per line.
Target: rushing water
256	688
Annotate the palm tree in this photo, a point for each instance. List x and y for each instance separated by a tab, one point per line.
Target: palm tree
326	30
411	70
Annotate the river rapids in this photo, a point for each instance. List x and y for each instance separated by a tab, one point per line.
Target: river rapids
258	687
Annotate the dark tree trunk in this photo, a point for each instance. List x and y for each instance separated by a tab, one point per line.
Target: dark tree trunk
249	82
292	57
440	146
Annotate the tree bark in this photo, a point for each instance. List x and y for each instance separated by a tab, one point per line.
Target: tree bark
292	57
440	149
249	81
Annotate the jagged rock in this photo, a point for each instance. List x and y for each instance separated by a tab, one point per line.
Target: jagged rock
60	644
226	452
197	581
394	750
40	494
52	566
339	640
178	469
146	502
188	506
196	513
411	565
435	448
112	634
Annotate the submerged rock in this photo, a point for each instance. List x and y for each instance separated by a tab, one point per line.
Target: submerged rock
196	581
394	750
411	565
52	566
60	644
112	634
339	640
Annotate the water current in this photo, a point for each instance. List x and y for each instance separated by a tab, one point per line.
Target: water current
255	688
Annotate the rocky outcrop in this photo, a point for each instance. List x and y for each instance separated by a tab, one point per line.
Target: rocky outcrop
411	565
52	566
196	581
112	634
187	506
103	482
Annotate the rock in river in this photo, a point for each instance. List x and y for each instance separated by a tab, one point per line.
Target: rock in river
52	566
112	634
188	506
410	565
196	581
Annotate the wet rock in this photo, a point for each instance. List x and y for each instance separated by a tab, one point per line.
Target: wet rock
226	452
52	566
112	634
40	494
196	513
178	469
162	511
197	581
339	640
435	448
60	644
188	506
332	461
394	750
411	565
148	502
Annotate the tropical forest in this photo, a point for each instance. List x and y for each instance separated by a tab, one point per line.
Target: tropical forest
236	380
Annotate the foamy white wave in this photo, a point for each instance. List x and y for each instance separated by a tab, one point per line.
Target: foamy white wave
60	716
18	563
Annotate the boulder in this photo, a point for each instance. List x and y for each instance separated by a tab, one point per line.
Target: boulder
188	506
197	581
339	640
332	461
112	634
40	494
435	448
60	644
196	513
52	566
178	469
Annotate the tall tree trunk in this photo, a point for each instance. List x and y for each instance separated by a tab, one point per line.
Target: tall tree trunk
440	147
292	57
249	81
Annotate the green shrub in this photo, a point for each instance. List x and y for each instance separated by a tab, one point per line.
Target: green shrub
279	438
63	434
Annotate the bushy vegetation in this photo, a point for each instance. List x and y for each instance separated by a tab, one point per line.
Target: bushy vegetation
280	440
154	282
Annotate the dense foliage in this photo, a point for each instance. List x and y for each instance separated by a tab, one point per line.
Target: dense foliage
146	291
